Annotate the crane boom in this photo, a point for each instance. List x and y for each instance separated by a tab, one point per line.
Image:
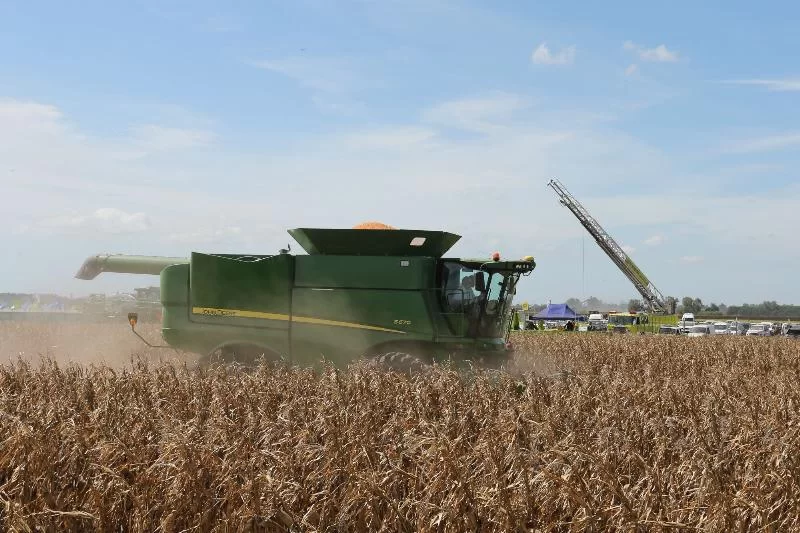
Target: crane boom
652	297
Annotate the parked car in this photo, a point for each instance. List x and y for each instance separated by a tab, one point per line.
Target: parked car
738	328
793	331
669	330
762	329
701	330
597	322
686	322
720	328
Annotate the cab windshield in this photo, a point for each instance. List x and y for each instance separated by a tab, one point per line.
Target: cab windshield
479	313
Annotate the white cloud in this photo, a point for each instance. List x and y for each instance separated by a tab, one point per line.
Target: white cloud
108	220
390	138
632	69
152	137
543	56
48	164
42	117
705	213
691	259
30	129
484	114
775	85
113	220
333	83
659	54
417	174
337	104
655	240
329	75
205	236
628	249
764	144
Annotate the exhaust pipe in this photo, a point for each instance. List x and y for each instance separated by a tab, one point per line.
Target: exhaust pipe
126	264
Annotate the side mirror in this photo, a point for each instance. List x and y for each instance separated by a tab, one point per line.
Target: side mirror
480	282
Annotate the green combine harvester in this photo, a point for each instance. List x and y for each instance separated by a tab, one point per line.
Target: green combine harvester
382	294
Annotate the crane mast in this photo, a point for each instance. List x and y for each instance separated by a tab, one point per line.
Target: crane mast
653	299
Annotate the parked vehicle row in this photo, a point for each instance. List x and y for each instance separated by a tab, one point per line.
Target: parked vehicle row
688	326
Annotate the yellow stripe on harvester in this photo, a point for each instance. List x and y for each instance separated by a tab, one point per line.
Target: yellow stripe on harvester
238	313
323	322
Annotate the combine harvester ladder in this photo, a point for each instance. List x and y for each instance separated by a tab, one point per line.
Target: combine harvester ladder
652	297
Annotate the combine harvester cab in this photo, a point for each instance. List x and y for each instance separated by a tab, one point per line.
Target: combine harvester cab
387	294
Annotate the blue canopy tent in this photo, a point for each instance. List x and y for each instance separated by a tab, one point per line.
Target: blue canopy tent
555	312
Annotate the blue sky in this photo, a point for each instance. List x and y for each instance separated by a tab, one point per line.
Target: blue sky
166	127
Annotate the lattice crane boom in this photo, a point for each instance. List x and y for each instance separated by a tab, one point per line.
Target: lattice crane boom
653	298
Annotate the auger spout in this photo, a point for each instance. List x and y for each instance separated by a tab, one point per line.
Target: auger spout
126	264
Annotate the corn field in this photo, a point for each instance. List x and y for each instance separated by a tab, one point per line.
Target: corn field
584	433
